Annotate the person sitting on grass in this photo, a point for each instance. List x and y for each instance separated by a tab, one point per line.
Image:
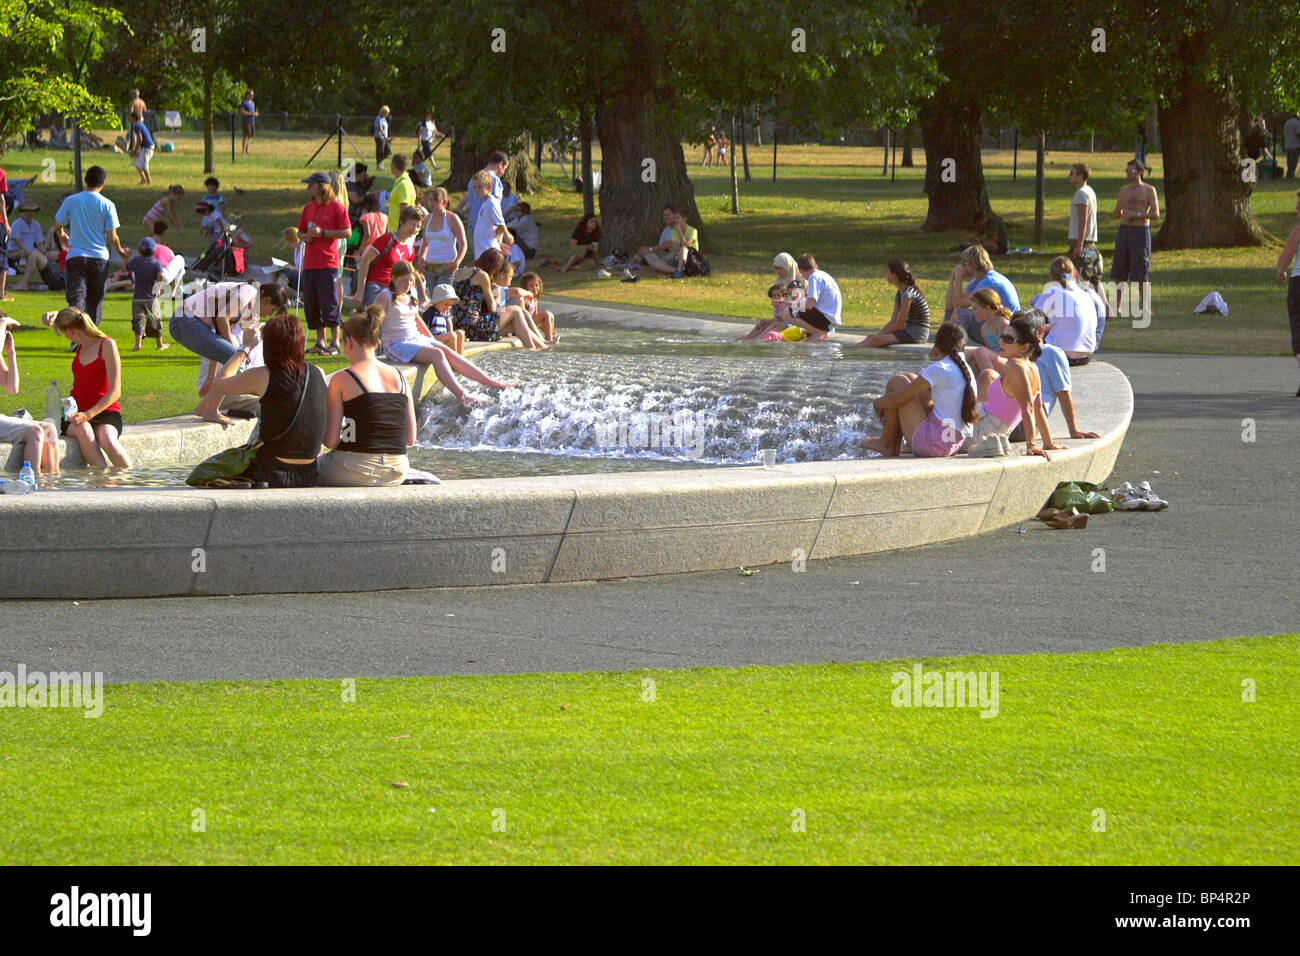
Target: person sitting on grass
524	228
583	243
910	323
656	256
990	232
146	274
40	439
1012	396
819	312
47	260
96	387
369	414
407	338
935	410
164	210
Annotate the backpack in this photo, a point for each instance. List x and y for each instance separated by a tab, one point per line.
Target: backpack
696	264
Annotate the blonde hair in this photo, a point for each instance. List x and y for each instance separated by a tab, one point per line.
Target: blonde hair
978	257
437	192
482	178
73	318
336	184
290	236
364	328
383	111
1061	269
991	300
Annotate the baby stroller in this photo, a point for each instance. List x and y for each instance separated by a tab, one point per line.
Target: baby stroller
222	258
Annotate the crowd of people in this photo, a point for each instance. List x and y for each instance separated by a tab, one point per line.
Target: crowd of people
425	283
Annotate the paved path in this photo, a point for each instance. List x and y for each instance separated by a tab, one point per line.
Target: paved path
1221	562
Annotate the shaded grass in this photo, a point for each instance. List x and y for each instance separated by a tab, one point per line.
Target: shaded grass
587	771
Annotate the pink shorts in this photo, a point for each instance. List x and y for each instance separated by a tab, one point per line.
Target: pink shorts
931	438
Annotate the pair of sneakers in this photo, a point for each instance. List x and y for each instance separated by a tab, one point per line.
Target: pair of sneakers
993	445
1141	498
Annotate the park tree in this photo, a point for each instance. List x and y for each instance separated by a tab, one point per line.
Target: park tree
46	47
950	118
1206	60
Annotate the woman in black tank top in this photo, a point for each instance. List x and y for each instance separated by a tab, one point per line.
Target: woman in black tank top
370	417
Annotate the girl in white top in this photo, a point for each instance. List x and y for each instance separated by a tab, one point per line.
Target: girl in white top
445	244
934	410
407	339
1071	313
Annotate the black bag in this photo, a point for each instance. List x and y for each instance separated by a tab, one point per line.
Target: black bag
696	264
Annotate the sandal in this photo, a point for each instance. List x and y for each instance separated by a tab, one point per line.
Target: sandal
317	350
332	350
1068	518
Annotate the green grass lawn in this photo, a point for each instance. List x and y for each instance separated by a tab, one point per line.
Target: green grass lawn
581	769
828	200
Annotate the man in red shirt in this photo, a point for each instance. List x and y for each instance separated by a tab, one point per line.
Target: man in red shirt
4	238
323	222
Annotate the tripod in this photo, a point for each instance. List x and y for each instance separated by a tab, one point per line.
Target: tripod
337	133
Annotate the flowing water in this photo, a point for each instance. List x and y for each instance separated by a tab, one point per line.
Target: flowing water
613	401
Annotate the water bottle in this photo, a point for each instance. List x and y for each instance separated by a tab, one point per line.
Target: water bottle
53	403
9	486
27	475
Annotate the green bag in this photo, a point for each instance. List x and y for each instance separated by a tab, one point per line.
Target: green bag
226	467
1083	495
354	239
230	466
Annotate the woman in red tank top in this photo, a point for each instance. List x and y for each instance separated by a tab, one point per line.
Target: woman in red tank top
96	386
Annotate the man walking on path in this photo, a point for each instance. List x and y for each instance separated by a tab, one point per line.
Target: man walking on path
1135	207
92	227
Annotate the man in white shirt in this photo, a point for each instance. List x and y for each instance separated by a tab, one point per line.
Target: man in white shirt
1082	234
822	304
25	233
1291	143
490	227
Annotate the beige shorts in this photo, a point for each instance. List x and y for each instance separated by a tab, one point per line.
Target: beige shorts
663	262
354	468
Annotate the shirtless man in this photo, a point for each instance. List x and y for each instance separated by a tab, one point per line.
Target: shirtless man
1135	207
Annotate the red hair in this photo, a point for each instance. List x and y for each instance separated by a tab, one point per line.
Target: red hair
283	344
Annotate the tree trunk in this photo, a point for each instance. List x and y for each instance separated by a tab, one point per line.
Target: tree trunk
643	169
76	157
588	190
744	145
731	156
207	115
908	162
950	131
758	126
884	163
468	158
1040	156
1206	201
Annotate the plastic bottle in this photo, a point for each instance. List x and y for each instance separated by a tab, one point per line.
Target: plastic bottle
27	475
53	401
11	486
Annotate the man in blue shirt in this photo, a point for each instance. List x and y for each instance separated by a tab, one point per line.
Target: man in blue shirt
92	228
141	148
496	168
978	268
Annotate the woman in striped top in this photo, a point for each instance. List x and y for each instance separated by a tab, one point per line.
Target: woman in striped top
910	322
164	210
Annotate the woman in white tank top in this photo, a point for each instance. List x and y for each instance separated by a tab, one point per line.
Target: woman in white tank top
444	239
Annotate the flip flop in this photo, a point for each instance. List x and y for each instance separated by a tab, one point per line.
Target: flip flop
332	350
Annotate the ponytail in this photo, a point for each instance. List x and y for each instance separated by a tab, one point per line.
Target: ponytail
74	318
951	340
904	272
364	329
